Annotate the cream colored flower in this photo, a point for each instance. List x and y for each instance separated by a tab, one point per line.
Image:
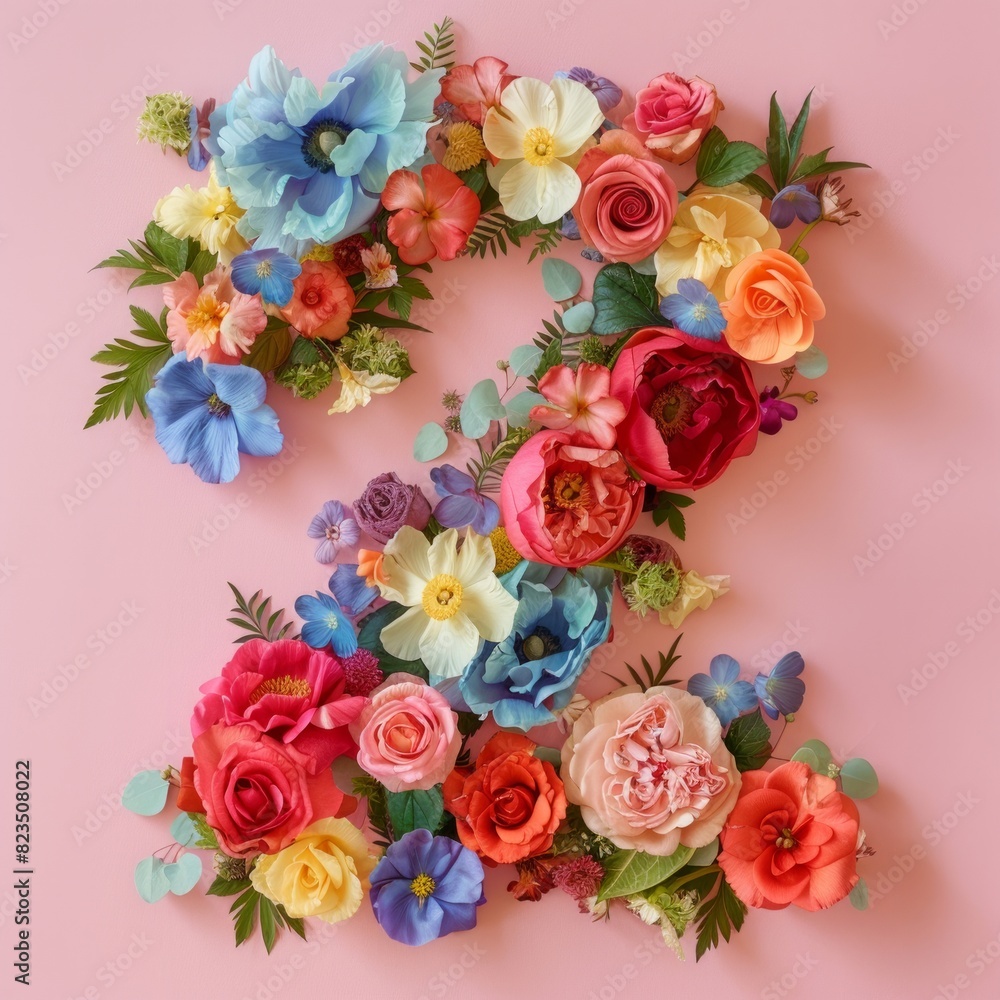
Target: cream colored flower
714	229
650	914
357	388
208	215
379	269
324	873
696	592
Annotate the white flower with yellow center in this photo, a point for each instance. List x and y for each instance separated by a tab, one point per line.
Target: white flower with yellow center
714	229
453	596
357	388
538	132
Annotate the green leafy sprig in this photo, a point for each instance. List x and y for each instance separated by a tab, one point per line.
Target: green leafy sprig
160	258
438	48
253	618
669	509
251	907
651	677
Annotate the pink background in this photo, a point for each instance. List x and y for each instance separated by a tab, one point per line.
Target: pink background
117	580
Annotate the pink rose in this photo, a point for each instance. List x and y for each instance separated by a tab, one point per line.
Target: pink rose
650	771
627	202
565	504
408	735
259	794
288	690
672	116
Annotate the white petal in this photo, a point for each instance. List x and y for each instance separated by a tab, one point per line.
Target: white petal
558	190
403	636
490	608
448	647
532	103
443	553
579	116
476	559
408	566
504	137
518	191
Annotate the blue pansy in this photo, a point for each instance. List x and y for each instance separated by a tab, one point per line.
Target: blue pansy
308	164
325	625
782	690
794	202
722	690
461	503
268	273
694	310
530	676
206	414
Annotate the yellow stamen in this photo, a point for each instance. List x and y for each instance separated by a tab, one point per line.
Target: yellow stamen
293	687
206	317
507	557
422	886
465	147
442	597
569	491
539	147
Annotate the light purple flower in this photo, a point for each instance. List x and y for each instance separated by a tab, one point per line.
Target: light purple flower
794	202
462	504
608	94
335	530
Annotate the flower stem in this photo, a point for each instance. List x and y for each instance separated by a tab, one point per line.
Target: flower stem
805	232
699	873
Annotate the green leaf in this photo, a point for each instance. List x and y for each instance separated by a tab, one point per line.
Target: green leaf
184	831
519	407
798	130
254	620
245	920
858	778
705	856
668	509
777	145
369	637
624	300
207	840
150	880
578	318
524	359
439	50
170	251
629	872
480	408
431	442
658	677
817	163
721	162
268	923
146	793
800	253
859	895
676	523
758	184
415	810
816	754
183	875
561	279
227	887
749	741
270	347
368	317
811	363
720	915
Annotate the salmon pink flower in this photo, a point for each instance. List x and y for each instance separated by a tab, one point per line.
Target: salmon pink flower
581	402
434	213
474	89
322	301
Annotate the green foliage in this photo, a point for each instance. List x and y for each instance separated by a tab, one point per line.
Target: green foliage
721	912
415	810
270	347
253	620
721	162
248	906
400	298
366	787
438	48
749	741
488	468
136	365
558	347
207	840
629	872
657	677
495	230
624	300
160	258
668	508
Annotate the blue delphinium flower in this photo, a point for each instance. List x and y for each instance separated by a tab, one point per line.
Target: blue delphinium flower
461	503
425	887
350	590
324	624
206	414
782	690
722	690
794	202
530	676
608	94
268	273
308	164
694	309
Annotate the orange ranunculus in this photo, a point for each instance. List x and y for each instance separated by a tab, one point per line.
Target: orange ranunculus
433	213
321	302
771	307
510	806
790	839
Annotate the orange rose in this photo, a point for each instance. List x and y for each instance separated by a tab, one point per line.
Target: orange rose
321	302
510	806
771	307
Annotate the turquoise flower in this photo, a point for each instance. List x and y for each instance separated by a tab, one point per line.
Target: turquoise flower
308	165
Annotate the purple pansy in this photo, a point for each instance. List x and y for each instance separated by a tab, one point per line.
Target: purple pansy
608	94
462	504
334	529
774	410
794	202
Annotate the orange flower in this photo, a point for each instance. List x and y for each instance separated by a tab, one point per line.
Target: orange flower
321	302
771	307
370	567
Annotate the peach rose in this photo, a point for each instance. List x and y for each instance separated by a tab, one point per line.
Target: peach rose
649	770
672	115
771	307
791	839
511	805
321	302
408	735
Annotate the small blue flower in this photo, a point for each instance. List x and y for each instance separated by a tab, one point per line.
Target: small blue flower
723	691
268	273
568	227
206	414
324	624
590	253
794	202
462	504
350	590
781	692
693	309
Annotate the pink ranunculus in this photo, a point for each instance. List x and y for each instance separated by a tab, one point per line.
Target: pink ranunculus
650	771
288	690
259	794
322	301
408	735
566	504
690	411
474	89
627	201
213	321
673	115
581	402
790	840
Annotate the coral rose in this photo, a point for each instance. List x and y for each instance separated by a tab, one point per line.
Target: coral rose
511	805
649	770
321	302
565	504
408	735
258	793
689	412
791	839
672	115
627	201
771	307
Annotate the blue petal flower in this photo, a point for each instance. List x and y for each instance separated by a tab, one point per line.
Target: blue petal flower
325	625
722	690
694	310
781	692
350	590
268	273
462	504
793	202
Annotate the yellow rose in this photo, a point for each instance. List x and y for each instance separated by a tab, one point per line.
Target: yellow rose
324	873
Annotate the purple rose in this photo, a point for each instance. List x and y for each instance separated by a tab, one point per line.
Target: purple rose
387	503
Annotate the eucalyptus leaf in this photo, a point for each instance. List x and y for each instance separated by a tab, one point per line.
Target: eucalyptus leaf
629	872
481	407
859	895
524	359
184	831
519	407
561	279
578	318
816	754
431	442
858	778
183	875
811	363
146	793
150	881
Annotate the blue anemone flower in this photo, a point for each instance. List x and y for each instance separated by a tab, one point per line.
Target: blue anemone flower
781	692
722	690
693	309
461	503
268	273
325	624
308	164
206	414
793	202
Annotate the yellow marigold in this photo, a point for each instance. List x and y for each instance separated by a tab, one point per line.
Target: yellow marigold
322	252
506	555
465	147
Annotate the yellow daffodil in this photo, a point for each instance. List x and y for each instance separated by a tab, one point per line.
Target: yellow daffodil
538	132
208	215
357	388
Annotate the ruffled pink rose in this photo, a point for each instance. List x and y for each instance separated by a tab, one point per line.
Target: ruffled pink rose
649	770
566	504
690	412
627	201
408	735
288	690
259	794
672	116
